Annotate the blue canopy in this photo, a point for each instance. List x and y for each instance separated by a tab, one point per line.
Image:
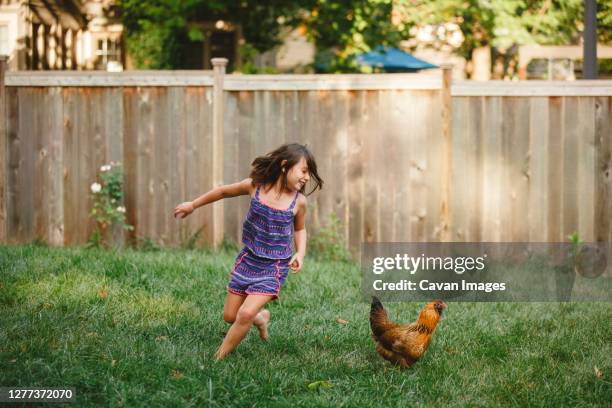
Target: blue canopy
392	59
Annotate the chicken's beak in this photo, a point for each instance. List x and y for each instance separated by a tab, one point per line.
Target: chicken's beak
440	308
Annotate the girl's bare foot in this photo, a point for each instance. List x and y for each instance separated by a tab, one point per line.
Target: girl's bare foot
219	354
261	322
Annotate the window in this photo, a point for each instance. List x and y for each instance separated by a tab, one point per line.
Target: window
108	51
4	40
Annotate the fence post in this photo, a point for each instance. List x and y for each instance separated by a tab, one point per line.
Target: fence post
3	152
219	65
447	156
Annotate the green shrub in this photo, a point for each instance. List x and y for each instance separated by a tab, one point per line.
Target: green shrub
329	242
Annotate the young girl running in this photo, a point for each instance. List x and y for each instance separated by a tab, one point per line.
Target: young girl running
276	215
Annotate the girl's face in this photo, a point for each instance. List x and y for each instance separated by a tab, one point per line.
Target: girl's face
298	175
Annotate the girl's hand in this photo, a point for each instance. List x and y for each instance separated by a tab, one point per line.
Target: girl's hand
296	262
184	209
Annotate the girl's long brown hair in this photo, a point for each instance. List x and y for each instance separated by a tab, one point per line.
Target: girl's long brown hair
267	169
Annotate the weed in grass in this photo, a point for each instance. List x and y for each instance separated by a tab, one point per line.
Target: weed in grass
147	244
190	243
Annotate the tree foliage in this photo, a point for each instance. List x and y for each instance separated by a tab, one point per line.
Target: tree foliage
154	30
157	30
341	29
504	23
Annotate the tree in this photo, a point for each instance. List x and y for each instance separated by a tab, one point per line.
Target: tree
158	30
154	29
341	29
504	24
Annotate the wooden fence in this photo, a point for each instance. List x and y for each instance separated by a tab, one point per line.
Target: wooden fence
405	157
532	166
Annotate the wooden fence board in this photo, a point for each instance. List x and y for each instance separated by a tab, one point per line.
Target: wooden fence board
492	169
474	170
570	167
325	150
603	169
519	167
400	130
14	149
205	166
113	125
434	150
27	129
460	156
4	148
585	179
245	146
371	163
340	161
538	186
130	159
230	164
96	137
175	163
421	114
53	169
355	171
165	129
556	138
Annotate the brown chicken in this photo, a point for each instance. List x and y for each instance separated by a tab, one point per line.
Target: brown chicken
404	344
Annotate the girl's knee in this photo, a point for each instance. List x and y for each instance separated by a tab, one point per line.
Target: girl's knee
229	317
246	315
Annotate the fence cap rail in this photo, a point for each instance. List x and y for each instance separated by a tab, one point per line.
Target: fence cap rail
349	82
430	80
532	88
232	82
103	78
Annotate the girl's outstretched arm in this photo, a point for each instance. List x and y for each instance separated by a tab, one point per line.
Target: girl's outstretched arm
229	190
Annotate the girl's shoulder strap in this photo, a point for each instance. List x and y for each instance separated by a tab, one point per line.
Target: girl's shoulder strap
257	192
294	201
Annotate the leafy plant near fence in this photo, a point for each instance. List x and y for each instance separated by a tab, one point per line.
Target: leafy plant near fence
329	242
108	209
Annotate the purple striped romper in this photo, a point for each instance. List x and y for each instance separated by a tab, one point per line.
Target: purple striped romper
262	265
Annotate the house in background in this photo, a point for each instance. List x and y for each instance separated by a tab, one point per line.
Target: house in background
295	54
61	34
556	61
88	35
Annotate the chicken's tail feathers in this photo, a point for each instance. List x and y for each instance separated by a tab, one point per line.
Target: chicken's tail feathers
379	321
376	304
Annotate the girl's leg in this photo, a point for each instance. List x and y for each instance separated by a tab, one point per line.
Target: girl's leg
261	322
230	310
232	304
245	317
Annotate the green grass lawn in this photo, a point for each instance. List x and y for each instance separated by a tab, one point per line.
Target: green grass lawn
133	328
